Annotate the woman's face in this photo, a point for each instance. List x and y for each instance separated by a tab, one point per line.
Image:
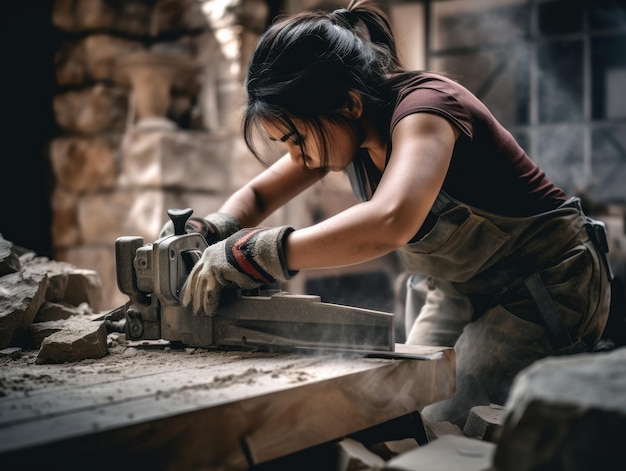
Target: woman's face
342	142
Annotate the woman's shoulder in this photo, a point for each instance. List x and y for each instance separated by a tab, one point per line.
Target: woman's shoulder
412	81
434	93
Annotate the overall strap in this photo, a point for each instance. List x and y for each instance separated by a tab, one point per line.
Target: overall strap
549	311
442	203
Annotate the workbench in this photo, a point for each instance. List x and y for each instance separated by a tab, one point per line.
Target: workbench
199	409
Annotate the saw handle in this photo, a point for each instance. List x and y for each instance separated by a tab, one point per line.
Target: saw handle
179	218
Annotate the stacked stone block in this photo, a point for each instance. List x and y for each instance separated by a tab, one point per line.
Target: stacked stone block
113	178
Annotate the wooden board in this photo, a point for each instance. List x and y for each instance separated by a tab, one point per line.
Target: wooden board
225	410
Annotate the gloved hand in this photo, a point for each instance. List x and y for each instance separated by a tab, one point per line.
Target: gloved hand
249	258
214	227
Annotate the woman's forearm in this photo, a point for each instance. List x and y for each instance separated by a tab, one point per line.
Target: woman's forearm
245	206
355	235
270	190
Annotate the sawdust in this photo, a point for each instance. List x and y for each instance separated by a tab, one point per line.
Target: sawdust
22	376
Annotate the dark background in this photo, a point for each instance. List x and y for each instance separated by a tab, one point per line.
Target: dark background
29	42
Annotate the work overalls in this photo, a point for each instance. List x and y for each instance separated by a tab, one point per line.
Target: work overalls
505	292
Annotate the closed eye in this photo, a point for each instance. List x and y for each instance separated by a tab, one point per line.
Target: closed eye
287	136
296	139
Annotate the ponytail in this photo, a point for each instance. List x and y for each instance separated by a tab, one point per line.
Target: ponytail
378	26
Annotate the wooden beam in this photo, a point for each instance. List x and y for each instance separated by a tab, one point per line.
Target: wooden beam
236	410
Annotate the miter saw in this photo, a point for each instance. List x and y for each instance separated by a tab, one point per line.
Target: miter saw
153	274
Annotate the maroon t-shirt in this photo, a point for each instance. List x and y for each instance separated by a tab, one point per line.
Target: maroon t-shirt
489	170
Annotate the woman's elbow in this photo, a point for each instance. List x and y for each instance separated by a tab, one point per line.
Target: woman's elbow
398	228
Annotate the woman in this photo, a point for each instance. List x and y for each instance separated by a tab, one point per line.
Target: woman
510	265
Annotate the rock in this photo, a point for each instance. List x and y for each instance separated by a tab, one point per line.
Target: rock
353	456
397	447
566	413
83	286
450	452
66	282
50	311
60	296
9	261
170	17
81	341
485	422
91	58
435	430
174	160
11	352
21	296
41	329
83	164
79	16
91	110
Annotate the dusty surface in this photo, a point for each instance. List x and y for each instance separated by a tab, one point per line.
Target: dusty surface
21	377
151	395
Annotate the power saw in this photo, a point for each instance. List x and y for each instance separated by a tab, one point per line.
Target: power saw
153	274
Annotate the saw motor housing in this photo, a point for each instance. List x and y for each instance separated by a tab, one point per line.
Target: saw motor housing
152	275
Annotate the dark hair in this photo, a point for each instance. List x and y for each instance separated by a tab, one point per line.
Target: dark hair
304	67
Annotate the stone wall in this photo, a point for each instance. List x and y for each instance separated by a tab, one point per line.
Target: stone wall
133	142
148	111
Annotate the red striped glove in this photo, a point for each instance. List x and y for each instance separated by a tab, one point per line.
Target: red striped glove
249	258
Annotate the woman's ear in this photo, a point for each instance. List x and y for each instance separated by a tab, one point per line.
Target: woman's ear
355	105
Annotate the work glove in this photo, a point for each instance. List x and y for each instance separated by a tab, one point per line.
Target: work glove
248	258
214	227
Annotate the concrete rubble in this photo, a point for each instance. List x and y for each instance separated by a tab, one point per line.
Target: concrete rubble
562	414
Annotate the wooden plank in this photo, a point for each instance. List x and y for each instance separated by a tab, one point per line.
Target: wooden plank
228	412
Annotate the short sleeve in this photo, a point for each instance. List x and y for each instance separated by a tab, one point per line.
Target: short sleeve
436	101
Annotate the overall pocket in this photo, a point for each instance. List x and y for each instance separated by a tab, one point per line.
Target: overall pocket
578	285
459	246
574	305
